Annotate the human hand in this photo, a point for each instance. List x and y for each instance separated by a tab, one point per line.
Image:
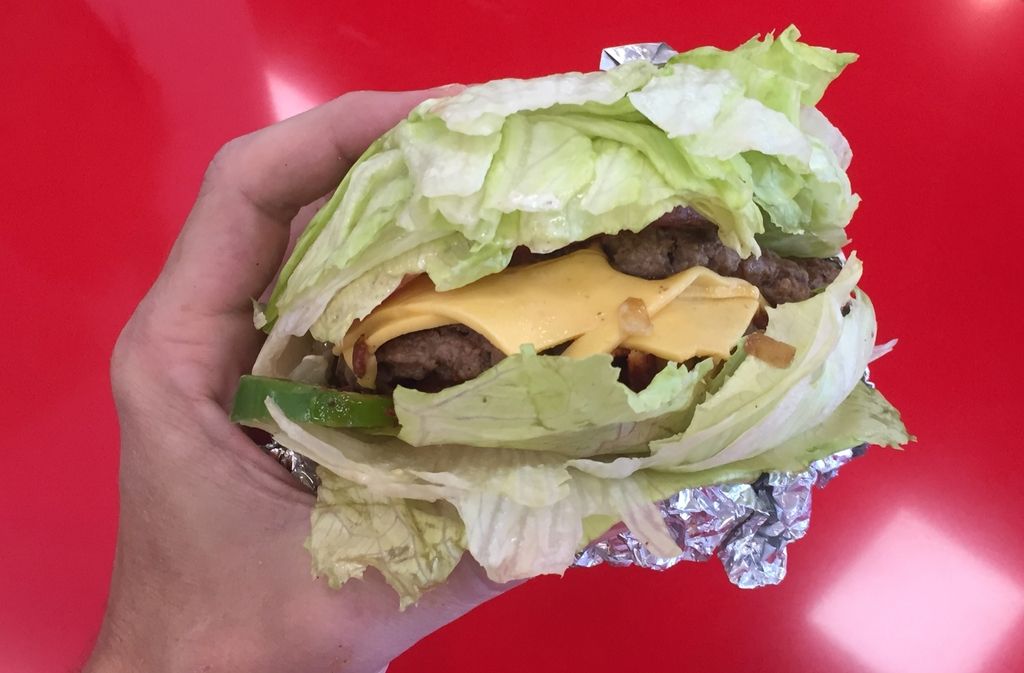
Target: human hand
210	571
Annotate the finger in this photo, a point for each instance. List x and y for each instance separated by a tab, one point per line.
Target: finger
234	239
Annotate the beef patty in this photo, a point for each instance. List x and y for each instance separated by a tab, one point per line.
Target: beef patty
437	358
433	359
682	239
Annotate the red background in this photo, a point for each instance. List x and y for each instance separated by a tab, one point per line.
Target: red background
914	560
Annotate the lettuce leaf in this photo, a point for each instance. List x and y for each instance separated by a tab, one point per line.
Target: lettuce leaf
864	417
482	109
414	544
783	73
456	187
540	402
552	494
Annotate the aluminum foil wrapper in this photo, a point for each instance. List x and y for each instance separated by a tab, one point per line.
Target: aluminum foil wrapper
302	468
657	53
747	526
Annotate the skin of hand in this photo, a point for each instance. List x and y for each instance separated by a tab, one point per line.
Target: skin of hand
210	573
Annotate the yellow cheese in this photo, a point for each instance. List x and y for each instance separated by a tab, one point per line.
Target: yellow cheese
572	298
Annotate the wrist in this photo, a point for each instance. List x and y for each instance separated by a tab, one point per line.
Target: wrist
208	649
148	630
222	631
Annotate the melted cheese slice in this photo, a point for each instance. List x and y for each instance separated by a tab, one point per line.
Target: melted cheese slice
695	313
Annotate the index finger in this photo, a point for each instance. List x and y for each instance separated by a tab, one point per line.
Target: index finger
235	236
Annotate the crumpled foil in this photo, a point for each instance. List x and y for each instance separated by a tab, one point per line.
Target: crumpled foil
657	53
302	468
747	526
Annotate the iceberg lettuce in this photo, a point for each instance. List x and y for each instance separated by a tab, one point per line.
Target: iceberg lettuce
526	463
537	449
455	188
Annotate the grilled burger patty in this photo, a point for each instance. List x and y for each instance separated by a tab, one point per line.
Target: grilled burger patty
434	359
682	239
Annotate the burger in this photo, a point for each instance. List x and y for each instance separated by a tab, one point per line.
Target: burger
535	308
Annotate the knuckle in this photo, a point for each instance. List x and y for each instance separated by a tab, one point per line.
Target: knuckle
354	100
354	97
230	151
121	364
130	356
225	161
123	357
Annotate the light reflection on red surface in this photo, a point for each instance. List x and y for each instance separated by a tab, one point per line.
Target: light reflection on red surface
986	4
286	98
915	599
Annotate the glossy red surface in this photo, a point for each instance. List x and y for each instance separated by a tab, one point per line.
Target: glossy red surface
914	561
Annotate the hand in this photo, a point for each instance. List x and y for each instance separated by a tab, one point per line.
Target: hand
210	573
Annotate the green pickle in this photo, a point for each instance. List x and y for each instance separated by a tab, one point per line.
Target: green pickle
306	403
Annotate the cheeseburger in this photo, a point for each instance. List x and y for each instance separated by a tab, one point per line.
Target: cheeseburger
535	308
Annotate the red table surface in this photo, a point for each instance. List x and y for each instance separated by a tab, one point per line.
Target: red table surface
915	559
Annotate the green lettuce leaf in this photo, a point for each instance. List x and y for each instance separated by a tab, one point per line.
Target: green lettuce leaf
540	402
864	417
547	538
753	418
414	544
482	109
782	73
456	187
